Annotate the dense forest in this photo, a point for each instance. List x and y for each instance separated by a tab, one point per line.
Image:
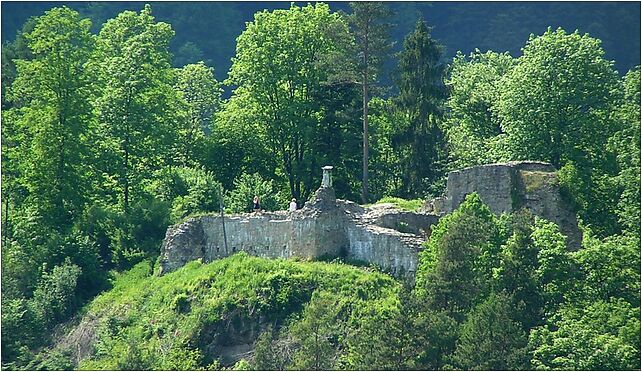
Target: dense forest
115	125
497	26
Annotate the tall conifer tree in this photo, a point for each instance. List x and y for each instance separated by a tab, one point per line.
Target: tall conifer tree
370	26
421	96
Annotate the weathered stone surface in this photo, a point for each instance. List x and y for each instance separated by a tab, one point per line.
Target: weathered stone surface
381	235
325	227
507	187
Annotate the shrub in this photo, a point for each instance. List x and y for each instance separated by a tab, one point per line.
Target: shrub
239	200
189	190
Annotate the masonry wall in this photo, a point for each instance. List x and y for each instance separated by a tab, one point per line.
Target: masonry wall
380	235
508	187
271	235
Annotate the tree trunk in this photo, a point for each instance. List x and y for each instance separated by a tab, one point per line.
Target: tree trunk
364	191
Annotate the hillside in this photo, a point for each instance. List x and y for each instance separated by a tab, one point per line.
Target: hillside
203	315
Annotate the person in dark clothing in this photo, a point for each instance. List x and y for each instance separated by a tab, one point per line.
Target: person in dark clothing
256	203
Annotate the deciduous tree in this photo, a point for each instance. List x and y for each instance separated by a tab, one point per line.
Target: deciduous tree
136	102
282	60
53	115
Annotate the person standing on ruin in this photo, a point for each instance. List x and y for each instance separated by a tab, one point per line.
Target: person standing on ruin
256	204
293	205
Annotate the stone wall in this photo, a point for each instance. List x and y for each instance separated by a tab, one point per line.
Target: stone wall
508	187
380	235
326	227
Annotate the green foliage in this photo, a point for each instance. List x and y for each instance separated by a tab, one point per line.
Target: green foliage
189	190
604	335
626	145
266	354
50	95
473	126
386	175
26	323
317	333
610	268
138	318
237	144
557	272
284	59
370	27
517	272
202	95
135	102
239	200
54	299
421	96
572	125
568	125
490	339
104	144
403	204
403	335
138	234
503	109
455	268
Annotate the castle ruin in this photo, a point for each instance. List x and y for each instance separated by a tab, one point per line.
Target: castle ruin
380	235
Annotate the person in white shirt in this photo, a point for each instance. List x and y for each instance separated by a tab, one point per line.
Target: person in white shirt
292	205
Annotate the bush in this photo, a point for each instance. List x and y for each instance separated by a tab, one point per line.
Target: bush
189	190
239	200
54	299
138	235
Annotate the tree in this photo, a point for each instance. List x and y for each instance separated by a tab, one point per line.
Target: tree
54	299
602	335
455	269
421	95
136	102
554	106
556	273
370	27
473	127
189	190
625	143
53	115
283	58
517	275
610	268
400	337
555	100
383	121
202	95
490	339
239	200
317	333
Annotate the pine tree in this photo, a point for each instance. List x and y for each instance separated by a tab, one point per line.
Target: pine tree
370	26
422	93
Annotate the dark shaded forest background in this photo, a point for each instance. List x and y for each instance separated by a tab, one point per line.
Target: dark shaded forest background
497	26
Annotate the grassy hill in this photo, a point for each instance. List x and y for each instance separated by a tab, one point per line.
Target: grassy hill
210	315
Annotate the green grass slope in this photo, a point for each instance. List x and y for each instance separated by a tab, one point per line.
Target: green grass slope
210	315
